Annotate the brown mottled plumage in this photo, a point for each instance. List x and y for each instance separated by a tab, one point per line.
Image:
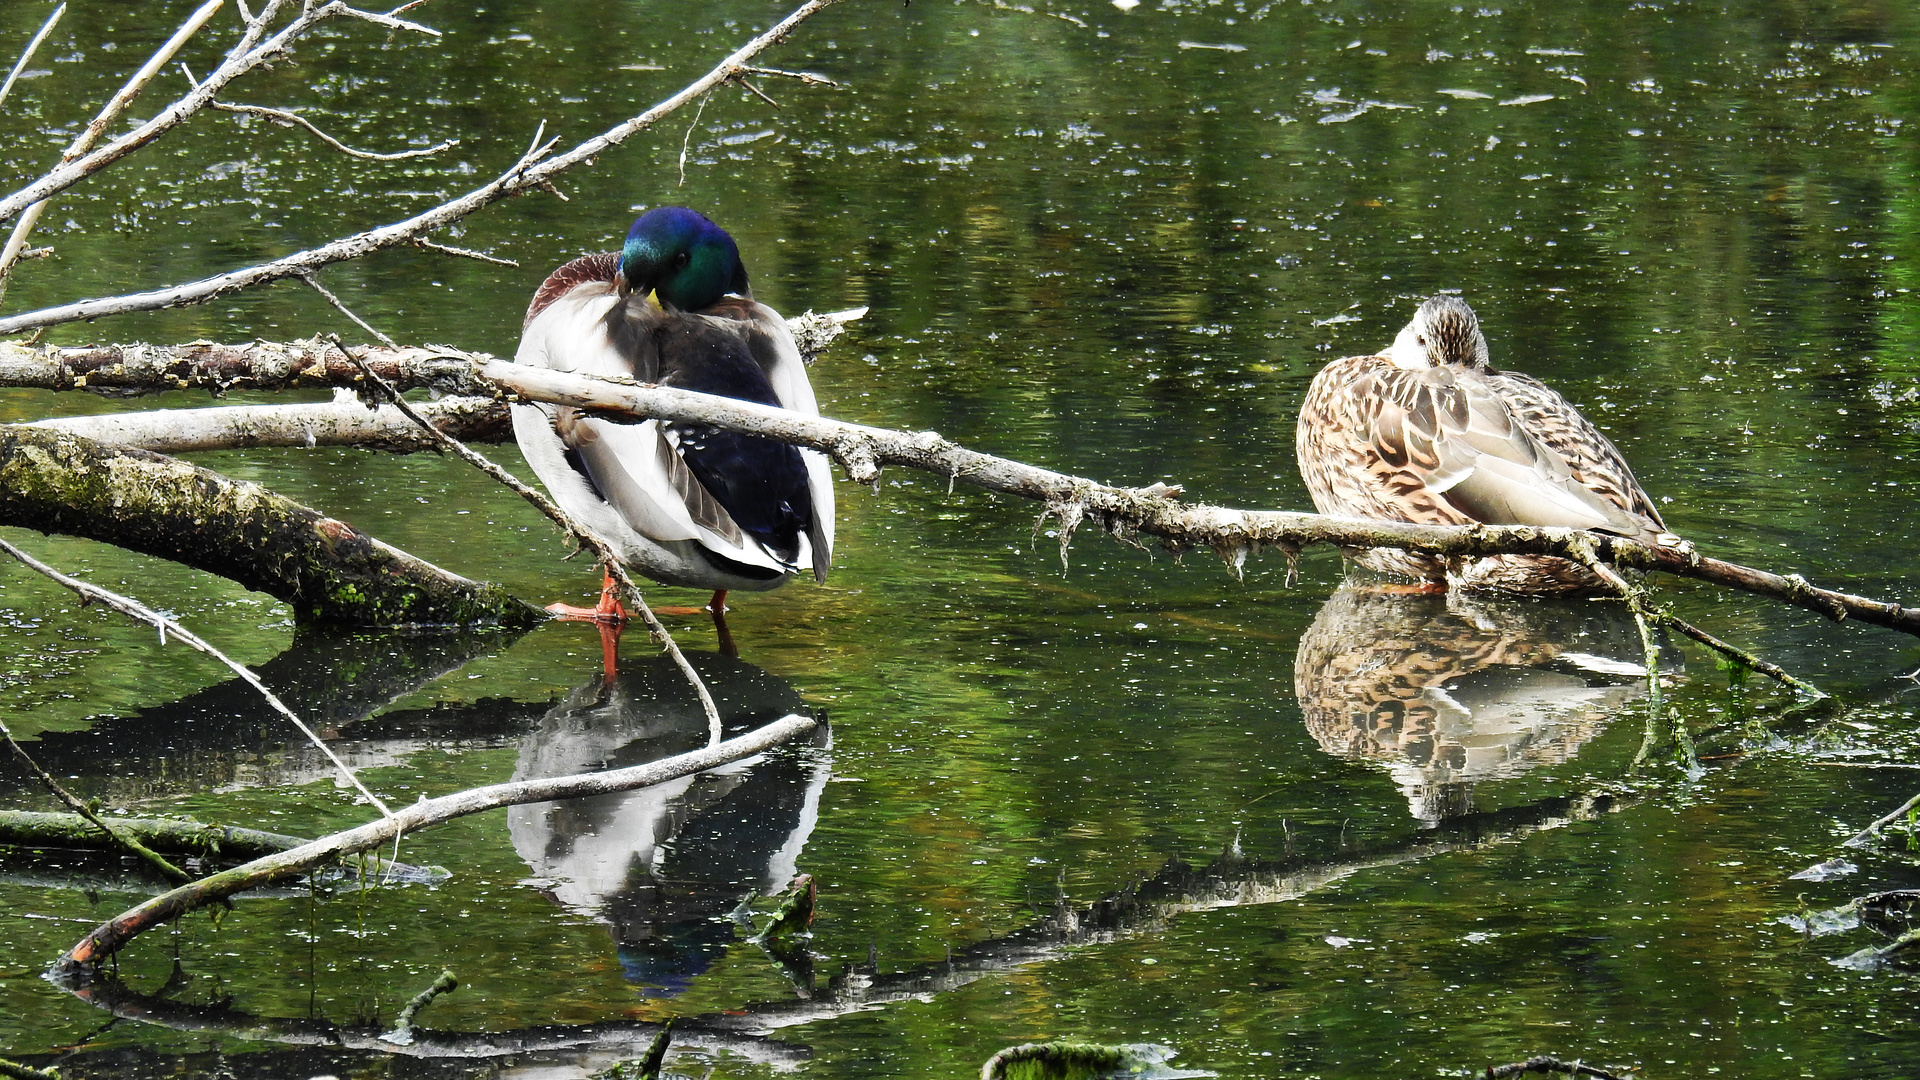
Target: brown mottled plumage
1447	691
1429	432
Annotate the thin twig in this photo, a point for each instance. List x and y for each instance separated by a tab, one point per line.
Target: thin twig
388	19
759	93
285	117
32	47
119	837
687	140
1643	620
1738	655
1860	838
807	77
135	609
464	253
108	114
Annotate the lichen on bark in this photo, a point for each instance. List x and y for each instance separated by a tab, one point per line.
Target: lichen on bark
328	571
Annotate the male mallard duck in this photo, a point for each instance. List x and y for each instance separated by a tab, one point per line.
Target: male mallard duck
1428	432
684	504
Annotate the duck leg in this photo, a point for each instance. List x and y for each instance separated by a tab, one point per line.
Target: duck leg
610	646
724	636
609	610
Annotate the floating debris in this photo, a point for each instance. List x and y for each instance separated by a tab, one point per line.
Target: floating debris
1826	871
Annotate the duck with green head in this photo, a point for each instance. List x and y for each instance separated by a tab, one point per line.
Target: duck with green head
684	504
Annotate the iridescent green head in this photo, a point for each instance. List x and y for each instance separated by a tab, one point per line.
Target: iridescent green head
681	257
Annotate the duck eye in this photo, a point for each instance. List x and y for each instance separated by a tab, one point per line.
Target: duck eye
681	260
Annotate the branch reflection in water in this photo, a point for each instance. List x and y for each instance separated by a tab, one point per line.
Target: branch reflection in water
664	867
1446	691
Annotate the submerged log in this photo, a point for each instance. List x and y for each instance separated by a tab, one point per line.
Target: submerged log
330	572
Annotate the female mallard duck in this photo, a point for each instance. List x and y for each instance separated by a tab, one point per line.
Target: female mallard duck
1429	432
684	504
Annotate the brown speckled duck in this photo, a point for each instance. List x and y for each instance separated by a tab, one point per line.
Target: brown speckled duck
1429	432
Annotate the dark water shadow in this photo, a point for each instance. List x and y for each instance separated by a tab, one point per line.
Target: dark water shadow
227	736
1446	692
662	867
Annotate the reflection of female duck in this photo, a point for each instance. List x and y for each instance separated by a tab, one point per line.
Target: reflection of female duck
1447	698
684	504
664	865
1429	432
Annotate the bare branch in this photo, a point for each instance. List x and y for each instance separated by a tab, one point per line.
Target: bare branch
131	370
249	53
32	47
108	114
388	20
282	116
1125	513
530	172
464	253
757	92
134	609
110	936
807	77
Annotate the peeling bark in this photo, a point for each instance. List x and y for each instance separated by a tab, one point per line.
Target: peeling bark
203	365
330	572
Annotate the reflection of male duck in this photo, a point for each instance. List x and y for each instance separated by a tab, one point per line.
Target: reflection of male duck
1446	695
663	866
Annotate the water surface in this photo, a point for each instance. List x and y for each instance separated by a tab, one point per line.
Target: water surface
1120	245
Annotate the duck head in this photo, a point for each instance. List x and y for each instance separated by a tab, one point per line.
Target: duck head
682	258
1443	333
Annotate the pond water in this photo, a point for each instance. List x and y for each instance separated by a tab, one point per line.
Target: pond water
1299	831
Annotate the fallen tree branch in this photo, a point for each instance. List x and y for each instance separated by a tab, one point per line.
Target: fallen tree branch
110	936
1125	513
330	572
534	170
136	369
